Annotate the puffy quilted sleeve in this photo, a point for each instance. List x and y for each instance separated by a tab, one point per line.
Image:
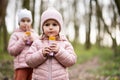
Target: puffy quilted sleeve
66	56
15	45
34	55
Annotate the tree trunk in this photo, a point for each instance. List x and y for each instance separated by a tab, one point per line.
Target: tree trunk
3	6
98	25
5	40
76	27
26	4
117	2
33	13
114	46
41	10
88	44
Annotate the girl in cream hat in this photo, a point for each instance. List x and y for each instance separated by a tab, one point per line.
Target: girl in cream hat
20	41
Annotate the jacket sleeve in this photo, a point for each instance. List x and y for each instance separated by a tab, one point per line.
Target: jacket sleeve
66	56
34	56
15	45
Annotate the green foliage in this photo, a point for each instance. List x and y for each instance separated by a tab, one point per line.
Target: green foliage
84	55
111	67
6	65
117	51
2	42
5	57
6	68
109	64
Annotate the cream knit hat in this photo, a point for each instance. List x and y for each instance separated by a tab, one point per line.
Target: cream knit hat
24	13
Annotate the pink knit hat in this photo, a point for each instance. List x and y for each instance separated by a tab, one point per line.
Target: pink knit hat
51	13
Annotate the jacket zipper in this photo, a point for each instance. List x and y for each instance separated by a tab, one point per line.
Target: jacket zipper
50	68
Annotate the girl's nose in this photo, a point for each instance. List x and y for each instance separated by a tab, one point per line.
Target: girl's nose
51	26
25	22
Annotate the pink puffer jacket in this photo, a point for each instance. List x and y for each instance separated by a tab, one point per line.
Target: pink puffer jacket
51	68
18	49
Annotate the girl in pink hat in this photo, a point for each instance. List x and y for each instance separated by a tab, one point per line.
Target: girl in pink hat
52	54
20	41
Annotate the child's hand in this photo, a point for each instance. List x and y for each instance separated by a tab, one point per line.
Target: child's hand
28	39
54	48
46	51
24	38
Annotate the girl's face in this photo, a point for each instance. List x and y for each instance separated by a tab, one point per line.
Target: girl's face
25	24
51	27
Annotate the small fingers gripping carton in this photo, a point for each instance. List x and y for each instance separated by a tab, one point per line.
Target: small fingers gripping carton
51	40
28	34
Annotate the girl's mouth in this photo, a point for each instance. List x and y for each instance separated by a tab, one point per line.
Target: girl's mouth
51	32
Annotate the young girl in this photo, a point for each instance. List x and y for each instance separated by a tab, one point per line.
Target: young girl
50	58
19	43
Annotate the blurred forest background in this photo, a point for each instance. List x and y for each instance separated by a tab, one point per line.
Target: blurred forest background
92	26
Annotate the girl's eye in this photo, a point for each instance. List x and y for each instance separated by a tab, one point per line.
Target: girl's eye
23	20
54	24
47	24
28	20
